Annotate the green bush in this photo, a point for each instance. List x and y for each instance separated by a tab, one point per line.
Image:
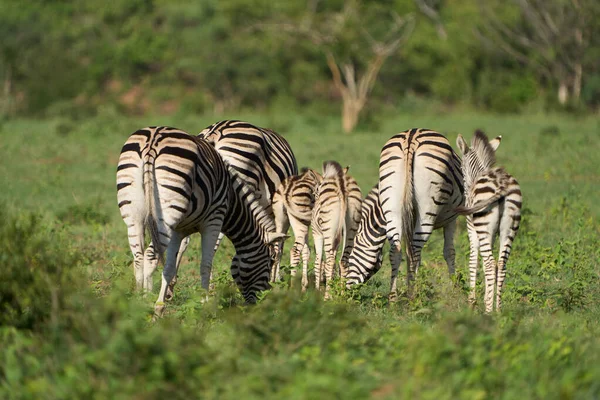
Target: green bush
37	277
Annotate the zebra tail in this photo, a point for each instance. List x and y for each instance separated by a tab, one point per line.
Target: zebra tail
479	206
408	201
152	204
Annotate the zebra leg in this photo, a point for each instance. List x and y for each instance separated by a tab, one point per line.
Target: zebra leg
174	241
170	290
412	266
305	258
331	254
282	225
395	260
150	264
490	279
473	259
509	225
210	235
449	252
318	239
300	249
352	223
135	233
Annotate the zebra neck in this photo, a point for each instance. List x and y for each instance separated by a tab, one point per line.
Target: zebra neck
246	222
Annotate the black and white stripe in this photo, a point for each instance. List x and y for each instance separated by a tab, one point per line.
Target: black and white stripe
175	185
352	220
420	186
493	207
367	253
293	204
328	221
260	156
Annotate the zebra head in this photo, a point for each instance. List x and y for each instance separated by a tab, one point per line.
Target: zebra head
479	157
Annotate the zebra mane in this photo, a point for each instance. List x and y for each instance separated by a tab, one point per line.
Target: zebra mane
332	169
480	144
260	214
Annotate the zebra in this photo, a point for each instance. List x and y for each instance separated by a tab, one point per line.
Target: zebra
367	253
260	156
294	201
493	206
175	185
354	200
328	220
420	186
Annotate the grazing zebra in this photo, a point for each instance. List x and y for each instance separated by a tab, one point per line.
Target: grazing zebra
367	252
420	186
294	201
492	206
260	156
328	220
175	185
354	202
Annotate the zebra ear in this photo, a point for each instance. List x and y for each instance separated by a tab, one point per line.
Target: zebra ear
495	142
462	144
273	236
345	170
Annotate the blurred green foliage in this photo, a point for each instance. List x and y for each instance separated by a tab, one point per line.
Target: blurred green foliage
66	57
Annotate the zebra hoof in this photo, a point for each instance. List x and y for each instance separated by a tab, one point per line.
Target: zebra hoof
393	297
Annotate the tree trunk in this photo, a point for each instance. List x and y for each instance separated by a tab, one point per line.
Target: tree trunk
563	92
577	81
350	112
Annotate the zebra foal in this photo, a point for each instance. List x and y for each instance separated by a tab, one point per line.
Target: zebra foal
335	219
293	204
493	207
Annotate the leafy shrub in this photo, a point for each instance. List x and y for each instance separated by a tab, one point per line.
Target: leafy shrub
36	278
84	214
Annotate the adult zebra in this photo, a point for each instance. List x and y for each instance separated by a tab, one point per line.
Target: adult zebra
176	184
420	186
260	157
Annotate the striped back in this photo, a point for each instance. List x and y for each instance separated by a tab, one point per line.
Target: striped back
367	253
192	181
260	156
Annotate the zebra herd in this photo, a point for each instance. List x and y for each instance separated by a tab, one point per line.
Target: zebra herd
242	181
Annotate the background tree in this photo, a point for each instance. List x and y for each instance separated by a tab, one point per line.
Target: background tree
550	37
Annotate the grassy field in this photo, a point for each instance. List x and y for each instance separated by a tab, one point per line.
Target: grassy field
72	327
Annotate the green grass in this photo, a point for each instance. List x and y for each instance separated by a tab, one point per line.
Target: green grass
97	340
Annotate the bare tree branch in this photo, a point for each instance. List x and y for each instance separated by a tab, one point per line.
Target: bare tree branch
432	14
